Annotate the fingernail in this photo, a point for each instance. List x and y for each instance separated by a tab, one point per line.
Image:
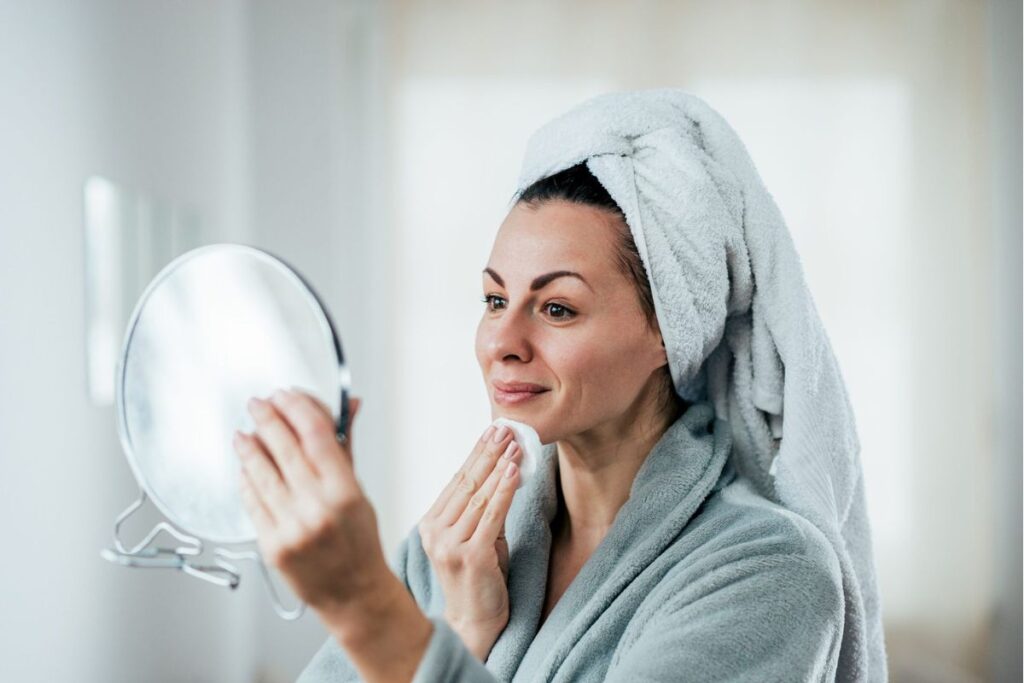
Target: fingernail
510	471
257	407
489	433
510	449
280	395
499	435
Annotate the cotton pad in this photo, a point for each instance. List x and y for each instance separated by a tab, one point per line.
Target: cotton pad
529	445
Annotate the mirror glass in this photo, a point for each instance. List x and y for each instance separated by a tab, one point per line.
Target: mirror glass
218	325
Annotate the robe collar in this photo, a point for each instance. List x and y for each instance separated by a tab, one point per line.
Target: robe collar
686	464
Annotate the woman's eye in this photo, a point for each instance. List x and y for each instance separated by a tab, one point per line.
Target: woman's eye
487	300
559	312
555	311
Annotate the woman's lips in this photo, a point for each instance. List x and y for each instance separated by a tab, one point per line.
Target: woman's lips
510	394
515	397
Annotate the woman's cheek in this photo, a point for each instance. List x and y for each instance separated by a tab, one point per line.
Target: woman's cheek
480	348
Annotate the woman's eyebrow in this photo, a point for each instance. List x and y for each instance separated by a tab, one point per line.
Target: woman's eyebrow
542	280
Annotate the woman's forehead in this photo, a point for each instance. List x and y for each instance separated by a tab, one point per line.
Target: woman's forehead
554	236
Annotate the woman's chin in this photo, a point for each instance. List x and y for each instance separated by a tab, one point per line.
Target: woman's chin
538	424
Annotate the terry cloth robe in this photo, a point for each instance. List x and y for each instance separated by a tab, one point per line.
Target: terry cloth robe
700	578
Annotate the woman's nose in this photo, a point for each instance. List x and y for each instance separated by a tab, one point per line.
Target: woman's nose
508	337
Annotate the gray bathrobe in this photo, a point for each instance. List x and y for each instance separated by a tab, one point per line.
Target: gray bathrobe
700	578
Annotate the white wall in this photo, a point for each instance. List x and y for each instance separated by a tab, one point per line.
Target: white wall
148	95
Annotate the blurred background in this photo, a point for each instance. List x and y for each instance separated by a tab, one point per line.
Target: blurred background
375	146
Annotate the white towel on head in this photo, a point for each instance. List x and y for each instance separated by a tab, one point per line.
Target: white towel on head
738	321
529	446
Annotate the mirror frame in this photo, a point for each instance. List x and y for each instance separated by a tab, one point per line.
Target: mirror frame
344	375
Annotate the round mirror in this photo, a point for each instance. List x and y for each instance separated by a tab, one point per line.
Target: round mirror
217	326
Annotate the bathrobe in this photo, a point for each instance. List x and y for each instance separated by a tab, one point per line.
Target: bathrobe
699	578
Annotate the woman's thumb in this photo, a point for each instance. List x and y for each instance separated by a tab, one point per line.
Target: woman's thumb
353	408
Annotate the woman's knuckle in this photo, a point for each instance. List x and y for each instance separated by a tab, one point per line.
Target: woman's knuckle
340	503
293	539
323	526
333	495
491	516
467	484
442	555
349	504
325	440
430	539
309	514
304	427
308	540
315	423
425	529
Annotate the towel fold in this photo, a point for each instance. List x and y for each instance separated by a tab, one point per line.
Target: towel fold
739	324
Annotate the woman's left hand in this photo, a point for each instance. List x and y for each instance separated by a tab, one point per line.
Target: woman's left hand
313	521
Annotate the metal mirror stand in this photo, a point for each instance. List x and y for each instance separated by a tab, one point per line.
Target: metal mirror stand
221	573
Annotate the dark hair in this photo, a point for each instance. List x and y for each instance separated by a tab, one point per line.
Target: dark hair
578	185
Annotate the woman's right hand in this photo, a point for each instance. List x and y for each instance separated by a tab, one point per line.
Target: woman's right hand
463	534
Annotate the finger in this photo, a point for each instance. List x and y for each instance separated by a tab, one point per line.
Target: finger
475	472
354	404
492	525
263	475
469	480
258	512
315	430
281	443
467	523
442	500
315	399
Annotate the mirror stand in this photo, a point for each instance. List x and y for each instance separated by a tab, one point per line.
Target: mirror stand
146	555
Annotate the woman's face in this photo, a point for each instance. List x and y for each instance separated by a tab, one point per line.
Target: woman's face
582	341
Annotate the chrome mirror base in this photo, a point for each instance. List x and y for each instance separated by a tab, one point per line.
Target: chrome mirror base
222	572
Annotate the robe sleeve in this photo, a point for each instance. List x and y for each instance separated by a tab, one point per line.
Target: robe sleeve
446	659
763	618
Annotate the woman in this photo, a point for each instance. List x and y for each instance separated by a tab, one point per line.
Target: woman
646	314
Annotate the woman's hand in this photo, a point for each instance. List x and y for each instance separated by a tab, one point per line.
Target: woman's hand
313	522
463	534
315	525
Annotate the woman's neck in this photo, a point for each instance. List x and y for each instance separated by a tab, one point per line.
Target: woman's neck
596	470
